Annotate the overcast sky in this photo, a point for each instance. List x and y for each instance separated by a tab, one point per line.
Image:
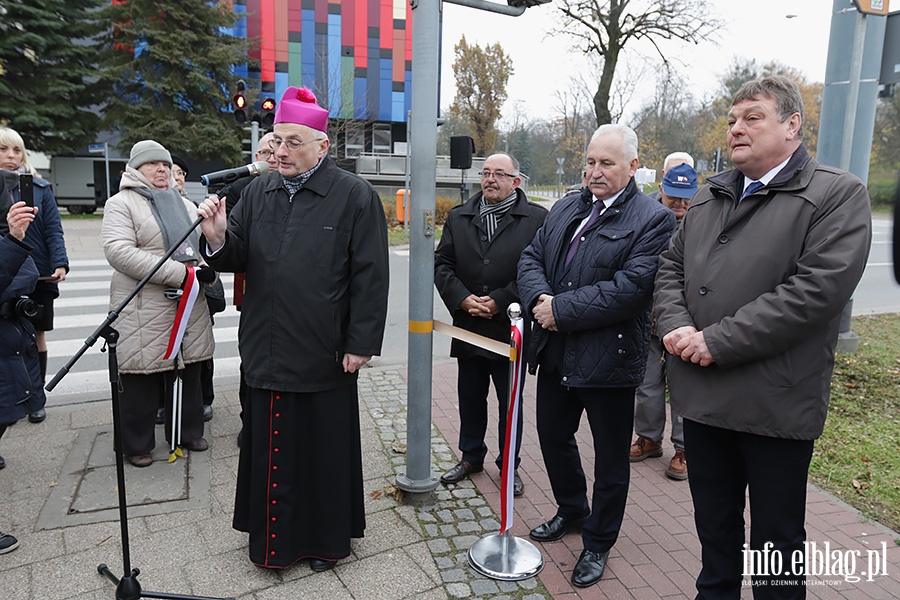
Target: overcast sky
758	29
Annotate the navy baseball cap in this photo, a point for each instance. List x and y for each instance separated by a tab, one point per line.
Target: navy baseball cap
680	181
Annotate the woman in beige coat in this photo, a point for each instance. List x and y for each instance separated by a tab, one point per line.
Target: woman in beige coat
139	224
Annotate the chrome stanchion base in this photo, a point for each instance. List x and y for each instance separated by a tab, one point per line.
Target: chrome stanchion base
505	557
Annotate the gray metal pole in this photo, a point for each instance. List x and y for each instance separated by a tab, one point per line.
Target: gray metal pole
848	107
109	192
425	46
406	195
254	139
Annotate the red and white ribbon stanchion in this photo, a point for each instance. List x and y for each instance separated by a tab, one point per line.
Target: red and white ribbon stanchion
185	305
502	555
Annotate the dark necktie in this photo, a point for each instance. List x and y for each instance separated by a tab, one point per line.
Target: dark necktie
753	187
573	245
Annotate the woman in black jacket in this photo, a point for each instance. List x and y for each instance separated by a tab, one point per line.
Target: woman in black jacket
21	390
45	236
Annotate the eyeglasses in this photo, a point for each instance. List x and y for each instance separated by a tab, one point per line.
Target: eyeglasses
264	154
495	174
292	144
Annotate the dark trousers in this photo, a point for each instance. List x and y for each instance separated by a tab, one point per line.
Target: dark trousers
206	382
723	464
139	398
474	375
610	412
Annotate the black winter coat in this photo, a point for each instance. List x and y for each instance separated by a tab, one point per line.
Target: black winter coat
466	263
317	278
21	390
601	302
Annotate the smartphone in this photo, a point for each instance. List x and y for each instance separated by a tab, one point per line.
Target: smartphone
26	189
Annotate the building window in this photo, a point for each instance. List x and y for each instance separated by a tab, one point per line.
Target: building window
355	140
381	138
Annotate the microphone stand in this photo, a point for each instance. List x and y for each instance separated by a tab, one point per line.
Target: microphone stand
128	587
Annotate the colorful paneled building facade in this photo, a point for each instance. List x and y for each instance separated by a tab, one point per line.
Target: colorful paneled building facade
356	55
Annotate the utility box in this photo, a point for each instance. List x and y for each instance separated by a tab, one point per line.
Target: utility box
400	208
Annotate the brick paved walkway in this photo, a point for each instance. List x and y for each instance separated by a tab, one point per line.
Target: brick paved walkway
657	554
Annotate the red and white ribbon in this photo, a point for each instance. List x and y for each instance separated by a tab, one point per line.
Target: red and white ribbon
516	334
185	305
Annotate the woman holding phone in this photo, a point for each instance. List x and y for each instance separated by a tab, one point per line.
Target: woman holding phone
45	236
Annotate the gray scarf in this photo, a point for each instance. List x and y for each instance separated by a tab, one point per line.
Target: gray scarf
173	220
492	213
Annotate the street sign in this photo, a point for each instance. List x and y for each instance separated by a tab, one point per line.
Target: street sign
560	171
872	7
560	161
96	148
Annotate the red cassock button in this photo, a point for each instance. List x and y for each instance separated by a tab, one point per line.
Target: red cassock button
274	485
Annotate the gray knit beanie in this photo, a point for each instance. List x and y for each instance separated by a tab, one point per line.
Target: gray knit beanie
148	151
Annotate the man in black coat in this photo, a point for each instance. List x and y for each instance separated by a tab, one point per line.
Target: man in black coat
587	280
475	274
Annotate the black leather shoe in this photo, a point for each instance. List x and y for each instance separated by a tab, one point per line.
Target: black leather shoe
37	416
160	416
556	528
2	463
462	470
198	445
589	568
518	485
318	565
207	412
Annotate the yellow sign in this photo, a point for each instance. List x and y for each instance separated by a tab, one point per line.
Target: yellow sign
872	7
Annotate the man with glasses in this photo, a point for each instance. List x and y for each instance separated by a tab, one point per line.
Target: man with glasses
587	280
312	239
475	274
679	184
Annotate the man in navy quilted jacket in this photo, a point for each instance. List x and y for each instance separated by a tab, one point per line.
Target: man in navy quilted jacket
587	279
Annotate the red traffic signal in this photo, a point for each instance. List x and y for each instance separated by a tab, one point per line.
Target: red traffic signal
268	112
239	103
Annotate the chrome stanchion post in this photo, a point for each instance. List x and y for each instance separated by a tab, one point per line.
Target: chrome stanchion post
502	555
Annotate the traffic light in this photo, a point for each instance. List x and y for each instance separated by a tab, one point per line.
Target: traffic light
268	112
526	3
239	103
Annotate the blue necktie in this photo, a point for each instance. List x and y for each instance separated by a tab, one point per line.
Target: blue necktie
573	246
753	187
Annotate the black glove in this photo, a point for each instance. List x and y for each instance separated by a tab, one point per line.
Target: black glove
205	274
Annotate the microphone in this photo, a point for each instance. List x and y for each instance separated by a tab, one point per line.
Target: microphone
229	175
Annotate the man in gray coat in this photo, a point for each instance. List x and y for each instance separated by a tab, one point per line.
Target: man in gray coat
749	295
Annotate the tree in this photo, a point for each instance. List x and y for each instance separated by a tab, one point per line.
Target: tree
46	62
667	123
169	68
886	142
604	27
481	77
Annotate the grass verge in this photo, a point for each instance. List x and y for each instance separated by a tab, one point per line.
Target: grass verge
858	457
